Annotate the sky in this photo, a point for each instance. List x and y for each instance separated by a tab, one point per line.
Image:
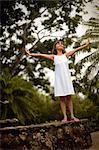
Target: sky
81	29
90	7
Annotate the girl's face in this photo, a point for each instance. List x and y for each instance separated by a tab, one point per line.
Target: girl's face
59	45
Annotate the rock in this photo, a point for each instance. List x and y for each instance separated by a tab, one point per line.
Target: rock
50	136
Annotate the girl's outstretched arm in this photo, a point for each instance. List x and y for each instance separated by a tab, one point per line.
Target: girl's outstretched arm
77	49
51	57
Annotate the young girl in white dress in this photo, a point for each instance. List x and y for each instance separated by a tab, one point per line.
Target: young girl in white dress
63	86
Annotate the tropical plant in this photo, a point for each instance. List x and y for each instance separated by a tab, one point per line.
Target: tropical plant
18	98
89	83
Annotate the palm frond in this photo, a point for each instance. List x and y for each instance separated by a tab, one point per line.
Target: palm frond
91	68
89	76
93	22
21	96
89	58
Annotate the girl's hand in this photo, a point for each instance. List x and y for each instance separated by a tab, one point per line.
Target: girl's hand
88	42
85	42
27	51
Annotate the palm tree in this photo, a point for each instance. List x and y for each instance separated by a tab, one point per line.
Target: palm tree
89	82
17	97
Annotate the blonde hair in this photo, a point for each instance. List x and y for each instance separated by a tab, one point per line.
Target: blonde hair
54	51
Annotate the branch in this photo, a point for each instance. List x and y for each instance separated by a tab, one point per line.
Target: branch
34	46
18	59
38	15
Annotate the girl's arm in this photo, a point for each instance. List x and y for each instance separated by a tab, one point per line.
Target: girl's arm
51	57
77	49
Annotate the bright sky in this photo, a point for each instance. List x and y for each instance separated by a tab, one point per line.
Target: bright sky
81	29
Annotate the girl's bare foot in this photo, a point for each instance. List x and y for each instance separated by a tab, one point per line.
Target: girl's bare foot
74	119
64	120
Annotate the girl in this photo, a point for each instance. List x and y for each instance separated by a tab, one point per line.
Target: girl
63	86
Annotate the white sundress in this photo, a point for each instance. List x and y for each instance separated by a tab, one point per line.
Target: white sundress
63	84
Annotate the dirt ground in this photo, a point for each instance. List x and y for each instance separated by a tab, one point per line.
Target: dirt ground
95	141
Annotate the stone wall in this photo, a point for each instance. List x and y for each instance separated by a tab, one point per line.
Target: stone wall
51	136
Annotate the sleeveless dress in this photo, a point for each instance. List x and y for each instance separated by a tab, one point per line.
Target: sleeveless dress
63	84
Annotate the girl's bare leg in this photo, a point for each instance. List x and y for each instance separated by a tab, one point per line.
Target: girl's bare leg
70	104
63	107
